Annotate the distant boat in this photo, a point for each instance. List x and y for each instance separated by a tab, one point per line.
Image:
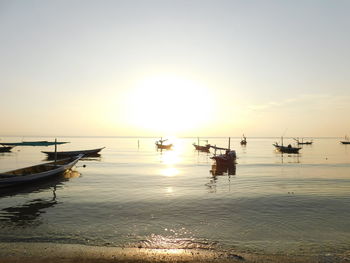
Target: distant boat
202	148
4	149
35	173
85	153
162	146
302	141
286	149
243	140
227	158
346	141
31	143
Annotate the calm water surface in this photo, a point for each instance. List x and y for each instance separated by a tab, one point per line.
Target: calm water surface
134	196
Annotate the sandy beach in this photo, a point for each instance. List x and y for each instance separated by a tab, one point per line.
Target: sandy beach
59	253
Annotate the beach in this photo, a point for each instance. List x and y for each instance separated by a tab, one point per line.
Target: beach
66	253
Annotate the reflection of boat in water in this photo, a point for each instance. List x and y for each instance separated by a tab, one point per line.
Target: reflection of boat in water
4	149
37	172
31	143
202	148
302	141
227	158
162	146
243	140
85	153
346	140
230	169
286	149
28	214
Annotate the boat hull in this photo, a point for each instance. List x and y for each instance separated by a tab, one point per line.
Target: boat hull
34	143
345	142
5	149
286	149
202	148
164	146
28	175
85	153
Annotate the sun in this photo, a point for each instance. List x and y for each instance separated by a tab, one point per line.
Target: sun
168	104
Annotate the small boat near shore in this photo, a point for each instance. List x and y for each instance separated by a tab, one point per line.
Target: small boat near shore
31	143
202	148
84	153
243	140
302	142
31	174
162	146
346	140
286	149
4	149
227	158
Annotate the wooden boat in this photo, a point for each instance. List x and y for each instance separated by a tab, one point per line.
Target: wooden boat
244	140
286	149
229	157
84	153
35	173
32	143
202	148
346	141
4	149
162	146
302	141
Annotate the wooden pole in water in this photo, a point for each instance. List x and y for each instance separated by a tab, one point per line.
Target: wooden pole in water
229	142
55	150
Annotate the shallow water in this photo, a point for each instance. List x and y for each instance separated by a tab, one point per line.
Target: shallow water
136	196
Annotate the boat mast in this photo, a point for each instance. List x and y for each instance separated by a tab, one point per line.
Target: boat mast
55	150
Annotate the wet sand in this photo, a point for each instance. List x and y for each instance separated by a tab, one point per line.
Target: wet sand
66	253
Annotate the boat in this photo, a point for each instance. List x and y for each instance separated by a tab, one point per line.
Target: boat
302	141
31	143
162	146
286	149
4	149
227	158
29	175
243	140
85	153
346	141
202	148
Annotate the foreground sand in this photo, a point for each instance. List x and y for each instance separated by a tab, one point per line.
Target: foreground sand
66	253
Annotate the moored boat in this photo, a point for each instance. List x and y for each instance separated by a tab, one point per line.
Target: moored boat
162	146
31	174
85	153
346	141
4	149
243	140
202	148
286	149
302	141
32	143
229	157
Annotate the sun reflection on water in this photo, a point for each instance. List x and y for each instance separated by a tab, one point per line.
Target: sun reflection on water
170	171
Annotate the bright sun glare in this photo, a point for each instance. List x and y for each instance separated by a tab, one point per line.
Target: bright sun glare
168	105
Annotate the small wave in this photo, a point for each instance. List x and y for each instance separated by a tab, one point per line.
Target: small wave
161	242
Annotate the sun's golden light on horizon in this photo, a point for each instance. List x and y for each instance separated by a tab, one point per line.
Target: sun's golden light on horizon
168	104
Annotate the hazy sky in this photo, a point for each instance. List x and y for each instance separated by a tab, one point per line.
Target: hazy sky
189	68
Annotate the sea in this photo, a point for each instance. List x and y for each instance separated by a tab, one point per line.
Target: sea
136	196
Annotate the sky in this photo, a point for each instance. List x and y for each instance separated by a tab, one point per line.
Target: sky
180	67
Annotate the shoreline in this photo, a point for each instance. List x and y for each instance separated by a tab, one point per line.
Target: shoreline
66	253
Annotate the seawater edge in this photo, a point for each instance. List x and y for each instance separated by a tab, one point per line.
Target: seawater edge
59	253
